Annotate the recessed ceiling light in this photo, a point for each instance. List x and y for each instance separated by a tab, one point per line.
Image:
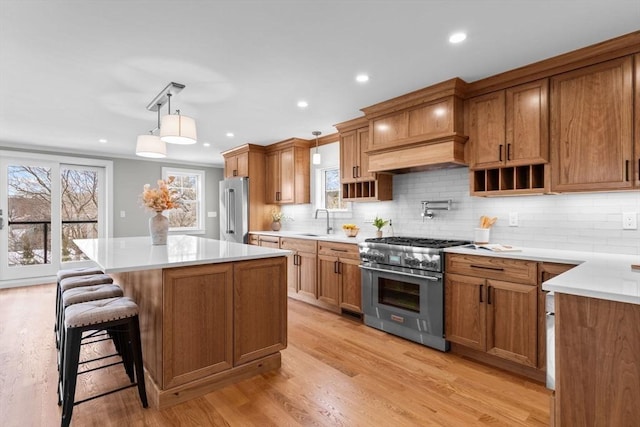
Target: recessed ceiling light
206	144
303	104
457	37
230	134
361	78
102	141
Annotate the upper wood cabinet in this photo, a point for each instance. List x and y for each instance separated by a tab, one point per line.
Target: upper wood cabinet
354	162
592	128
236	165
287	174
510	127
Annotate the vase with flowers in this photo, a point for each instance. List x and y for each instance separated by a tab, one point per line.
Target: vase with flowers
158	200
276	220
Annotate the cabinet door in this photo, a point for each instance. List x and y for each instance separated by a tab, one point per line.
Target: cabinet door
260	308
242	164
293	273
512	321
465	310
328	280
287	175
363	164
230	166
272	178
307	274
348	156
592	127
527	123
487	129
351	286
197	332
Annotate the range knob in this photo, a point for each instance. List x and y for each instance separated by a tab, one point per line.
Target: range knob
412	262
429	264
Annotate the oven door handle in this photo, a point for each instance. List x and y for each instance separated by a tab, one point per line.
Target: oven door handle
432	278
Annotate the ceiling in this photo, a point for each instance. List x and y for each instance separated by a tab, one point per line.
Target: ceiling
75	72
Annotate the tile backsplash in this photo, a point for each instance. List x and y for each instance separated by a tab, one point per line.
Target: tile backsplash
581	221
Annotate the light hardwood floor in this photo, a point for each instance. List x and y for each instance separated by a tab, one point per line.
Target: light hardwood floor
335	372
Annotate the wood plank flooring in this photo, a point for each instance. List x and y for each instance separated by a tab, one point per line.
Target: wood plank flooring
335	372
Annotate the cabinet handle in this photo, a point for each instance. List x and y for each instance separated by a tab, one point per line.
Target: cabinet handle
235	173
277	196
500	148
339	250
509	151
335	267
488	294
297	259
486	267
481	288
353	172
626	170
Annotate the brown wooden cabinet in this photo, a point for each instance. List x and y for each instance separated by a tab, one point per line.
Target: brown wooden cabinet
301	267
339	277
509	137
358	184
249	160
592	128
288	172
491	305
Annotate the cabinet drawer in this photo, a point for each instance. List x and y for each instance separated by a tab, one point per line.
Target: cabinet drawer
301	245
269	241
342	250
254	239
511	270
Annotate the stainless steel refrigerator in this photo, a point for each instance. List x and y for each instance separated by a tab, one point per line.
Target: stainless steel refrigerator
234	210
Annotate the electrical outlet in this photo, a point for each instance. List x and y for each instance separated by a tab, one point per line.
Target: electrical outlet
513	219
212	214
123	214
629	221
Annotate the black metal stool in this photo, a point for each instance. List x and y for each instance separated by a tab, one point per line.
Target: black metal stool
118	315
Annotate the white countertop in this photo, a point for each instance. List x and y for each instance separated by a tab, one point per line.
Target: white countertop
597	275
339	236
122	254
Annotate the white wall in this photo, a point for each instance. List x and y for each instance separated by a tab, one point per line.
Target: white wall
581	221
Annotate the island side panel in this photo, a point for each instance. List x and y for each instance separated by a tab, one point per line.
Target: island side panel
145	288
198	316
260	308
597	361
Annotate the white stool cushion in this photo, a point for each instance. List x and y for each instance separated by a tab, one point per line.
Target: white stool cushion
99	311
63	274
90	293
90	280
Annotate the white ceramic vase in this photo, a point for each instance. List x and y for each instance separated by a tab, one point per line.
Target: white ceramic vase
159	229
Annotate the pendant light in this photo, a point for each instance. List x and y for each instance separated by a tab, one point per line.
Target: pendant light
316	156
176	128
151	145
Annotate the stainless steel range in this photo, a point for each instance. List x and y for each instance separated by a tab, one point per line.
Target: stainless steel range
403	287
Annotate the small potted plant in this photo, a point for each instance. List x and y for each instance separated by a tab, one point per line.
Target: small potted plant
379	223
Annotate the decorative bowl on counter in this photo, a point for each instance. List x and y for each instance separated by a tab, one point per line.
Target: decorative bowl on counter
350	230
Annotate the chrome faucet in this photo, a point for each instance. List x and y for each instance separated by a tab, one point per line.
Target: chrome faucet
329	228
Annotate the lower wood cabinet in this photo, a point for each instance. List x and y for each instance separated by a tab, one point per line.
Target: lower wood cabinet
301	267
492	307
339	277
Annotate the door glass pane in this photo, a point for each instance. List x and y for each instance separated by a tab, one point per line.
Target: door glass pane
29	215
79	209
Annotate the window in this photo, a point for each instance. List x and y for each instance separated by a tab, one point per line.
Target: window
330	196
190	184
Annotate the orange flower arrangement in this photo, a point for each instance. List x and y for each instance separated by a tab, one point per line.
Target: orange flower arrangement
161	198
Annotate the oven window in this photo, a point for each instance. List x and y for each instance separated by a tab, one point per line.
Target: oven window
399	294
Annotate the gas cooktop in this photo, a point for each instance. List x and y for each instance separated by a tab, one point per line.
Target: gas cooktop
418	242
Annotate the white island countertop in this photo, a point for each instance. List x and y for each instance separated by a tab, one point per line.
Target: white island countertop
596	275
120	254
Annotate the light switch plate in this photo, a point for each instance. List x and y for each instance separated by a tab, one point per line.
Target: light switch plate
629	221
513	219
123	214
212	214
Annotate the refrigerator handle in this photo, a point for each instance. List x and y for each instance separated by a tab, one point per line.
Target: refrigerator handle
231	209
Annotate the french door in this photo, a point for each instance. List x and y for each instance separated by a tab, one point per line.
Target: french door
44	205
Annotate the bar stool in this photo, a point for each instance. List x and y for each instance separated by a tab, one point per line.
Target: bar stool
85	294
74	282
72	272
119	315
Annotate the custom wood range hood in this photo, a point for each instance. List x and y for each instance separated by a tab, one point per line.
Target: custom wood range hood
421	130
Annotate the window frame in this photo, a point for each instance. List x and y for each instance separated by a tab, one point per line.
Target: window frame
320	189
200	192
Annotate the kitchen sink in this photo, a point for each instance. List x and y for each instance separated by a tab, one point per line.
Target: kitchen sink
309	234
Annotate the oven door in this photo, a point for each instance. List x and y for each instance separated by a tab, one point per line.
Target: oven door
405	304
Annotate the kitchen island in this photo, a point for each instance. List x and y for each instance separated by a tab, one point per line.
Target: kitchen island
211	312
